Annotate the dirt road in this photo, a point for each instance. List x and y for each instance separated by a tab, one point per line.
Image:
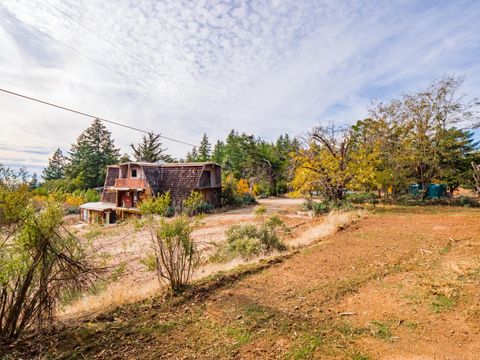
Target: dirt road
401	284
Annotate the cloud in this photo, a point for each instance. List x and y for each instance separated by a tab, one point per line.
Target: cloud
184	68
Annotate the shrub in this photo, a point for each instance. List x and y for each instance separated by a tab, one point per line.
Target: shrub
192	203
465	201
176	254
229	190
260	210
39	263
91	195
205	208
248	240
362	198
72	210
150	262
246	199
242	187
159	205
408	200
317	207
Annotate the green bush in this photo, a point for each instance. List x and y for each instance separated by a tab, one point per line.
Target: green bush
204	208
72	210
362	198
159	205
248	240
260	210
465	201
246	199
408	200
316	206
66	185
192	203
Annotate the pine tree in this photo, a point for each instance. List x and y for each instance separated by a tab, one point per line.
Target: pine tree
124	158
56	166
204	149
218	152
91	154
150	149
192	156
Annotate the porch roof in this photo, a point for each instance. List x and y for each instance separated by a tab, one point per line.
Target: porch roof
98	206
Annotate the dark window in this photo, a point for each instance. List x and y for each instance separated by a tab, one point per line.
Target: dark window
134	173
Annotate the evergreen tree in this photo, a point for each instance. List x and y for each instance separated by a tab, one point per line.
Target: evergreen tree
91	154
124	158
204	150
150	149
56	166
192	156
218	152
33	182
458	150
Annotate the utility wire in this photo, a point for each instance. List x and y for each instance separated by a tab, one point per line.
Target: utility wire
61	43
92	116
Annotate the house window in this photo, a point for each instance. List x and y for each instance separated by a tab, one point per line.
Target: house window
134	173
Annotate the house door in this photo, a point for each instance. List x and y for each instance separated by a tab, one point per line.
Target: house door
127	200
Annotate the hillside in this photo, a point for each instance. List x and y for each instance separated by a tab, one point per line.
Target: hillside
401	283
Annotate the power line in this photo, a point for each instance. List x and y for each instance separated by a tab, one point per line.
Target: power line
61	43
96	33
92	116
120	73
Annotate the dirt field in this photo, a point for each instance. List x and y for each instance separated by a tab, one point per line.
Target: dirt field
123	247
402	283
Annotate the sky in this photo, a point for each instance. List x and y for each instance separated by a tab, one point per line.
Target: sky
184	68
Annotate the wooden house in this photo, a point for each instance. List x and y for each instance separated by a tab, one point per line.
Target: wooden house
128	184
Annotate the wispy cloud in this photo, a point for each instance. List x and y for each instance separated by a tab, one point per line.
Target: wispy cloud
184	68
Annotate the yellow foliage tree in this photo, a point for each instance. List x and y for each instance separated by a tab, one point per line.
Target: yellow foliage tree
242	187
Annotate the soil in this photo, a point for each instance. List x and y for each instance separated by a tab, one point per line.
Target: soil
401	283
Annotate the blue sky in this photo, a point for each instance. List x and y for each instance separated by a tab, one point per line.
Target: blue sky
184	68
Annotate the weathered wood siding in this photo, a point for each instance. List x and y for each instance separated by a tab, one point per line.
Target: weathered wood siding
112	175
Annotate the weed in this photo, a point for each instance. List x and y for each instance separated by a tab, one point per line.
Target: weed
118	271
442	303
148	329
445	250
412	325
93	233
138	224
305	347
150	262
380	330
360	356
240	334
260	210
